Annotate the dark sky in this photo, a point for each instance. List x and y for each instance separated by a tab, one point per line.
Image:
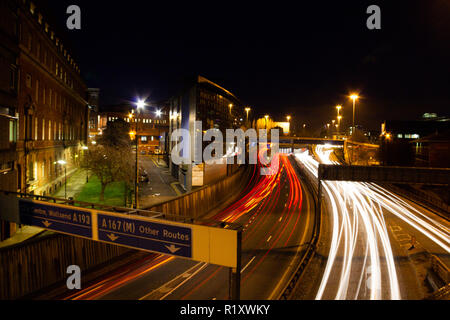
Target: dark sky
296	57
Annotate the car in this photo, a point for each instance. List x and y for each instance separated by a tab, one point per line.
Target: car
144	178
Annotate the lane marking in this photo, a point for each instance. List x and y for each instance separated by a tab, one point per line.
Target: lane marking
182	283
162	288
243	269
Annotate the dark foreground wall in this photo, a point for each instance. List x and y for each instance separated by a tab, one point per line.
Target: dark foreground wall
42	262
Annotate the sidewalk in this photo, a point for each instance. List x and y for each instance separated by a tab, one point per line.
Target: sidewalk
161	186
74	185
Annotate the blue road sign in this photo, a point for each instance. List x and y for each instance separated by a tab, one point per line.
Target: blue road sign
152	236
56	218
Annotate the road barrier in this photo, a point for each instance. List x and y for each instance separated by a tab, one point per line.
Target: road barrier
197	203
422	197
42	262
440	269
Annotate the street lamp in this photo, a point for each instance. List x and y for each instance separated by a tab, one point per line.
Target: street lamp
140	104
247	110
63	163
354	97
87	168
339	109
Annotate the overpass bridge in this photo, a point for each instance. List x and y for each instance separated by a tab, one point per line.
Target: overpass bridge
299	142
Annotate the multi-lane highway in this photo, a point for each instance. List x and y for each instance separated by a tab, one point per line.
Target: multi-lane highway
277	218
370	232
365	244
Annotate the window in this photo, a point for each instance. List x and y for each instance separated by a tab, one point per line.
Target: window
30	171
44	163
43	129
35	128
38	51
37	90
30	42
6	167
12	131
49	129
28	80
12	77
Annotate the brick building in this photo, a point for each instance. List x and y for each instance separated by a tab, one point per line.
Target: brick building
9	54
48	102
151	124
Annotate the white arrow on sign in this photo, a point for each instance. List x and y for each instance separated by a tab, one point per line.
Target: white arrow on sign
172	248
112	237
47	224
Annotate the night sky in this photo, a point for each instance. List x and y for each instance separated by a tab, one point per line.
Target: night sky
298	57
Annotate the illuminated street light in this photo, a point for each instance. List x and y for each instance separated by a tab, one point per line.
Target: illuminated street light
84	148
64	163
158	113
354	97
140	104
247	110
230	106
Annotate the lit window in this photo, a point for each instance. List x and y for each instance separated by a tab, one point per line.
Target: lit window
400	136
12	131
415	136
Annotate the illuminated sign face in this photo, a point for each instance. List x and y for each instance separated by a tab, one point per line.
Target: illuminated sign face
56	218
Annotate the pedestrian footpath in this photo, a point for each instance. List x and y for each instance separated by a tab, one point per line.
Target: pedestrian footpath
74	185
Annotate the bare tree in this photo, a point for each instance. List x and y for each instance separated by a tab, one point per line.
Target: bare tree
111	160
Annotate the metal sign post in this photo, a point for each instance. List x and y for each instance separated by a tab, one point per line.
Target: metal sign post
235	273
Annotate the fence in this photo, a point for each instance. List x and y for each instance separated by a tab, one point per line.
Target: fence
42	262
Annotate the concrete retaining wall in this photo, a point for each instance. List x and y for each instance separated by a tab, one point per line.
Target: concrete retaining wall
42	262
199	202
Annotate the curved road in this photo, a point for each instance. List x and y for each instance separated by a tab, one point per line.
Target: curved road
277	219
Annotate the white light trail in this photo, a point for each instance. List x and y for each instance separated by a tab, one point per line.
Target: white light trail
358	224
